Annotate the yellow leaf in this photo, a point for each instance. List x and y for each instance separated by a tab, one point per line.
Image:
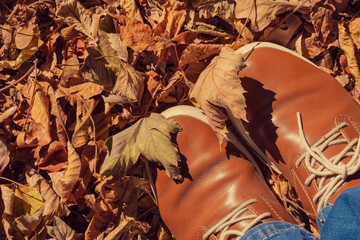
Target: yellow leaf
25	54
150	137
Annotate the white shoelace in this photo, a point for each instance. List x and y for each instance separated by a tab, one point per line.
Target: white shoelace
235	217
328	167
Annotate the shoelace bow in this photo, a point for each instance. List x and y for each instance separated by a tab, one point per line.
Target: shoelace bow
235	217
328	167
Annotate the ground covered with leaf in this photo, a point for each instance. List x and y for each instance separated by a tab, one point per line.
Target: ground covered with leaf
82	84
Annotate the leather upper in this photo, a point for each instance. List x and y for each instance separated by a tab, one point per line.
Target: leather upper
279	85
215	183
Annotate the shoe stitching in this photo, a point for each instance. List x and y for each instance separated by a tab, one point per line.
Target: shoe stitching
304	190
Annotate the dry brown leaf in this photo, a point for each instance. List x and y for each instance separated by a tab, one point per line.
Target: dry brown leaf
84	108
173	18
348	46
134	33
53	206
86	90
71	72
354	29
323	22
53	157
71	174
113	49
68	33
131	9
212	8
197	52
75	14
219	88
24	36
128	88
4	156
266	11
61	231
128	228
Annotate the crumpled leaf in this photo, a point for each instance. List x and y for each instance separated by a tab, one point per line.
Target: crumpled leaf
71	174
212	8
150	136
173	18
128	88
23	209
4	156
132	11
354	29
61	231
266	11
128	228
348	46
219	88
84	109
53	205
72	12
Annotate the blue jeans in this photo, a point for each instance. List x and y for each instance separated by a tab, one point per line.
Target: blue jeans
339	221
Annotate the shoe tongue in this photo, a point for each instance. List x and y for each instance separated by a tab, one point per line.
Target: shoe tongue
351	131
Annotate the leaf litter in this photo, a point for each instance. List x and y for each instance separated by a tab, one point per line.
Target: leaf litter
82	84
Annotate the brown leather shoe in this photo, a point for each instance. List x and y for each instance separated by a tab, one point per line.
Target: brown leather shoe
305	123
221	194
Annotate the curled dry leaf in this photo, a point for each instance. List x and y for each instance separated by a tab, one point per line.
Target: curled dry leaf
212	8
150	136
71	174
53	205
219	88
348	46
354	29
173	18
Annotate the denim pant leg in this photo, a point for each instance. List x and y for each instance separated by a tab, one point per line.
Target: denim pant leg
339	221
342	220
278	231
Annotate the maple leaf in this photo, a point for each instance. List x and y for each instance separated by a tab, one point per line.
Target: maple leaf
150	136
219	88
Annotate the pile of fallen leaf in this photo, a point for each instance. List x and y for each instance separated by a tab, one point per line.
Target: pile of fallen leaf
82	84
